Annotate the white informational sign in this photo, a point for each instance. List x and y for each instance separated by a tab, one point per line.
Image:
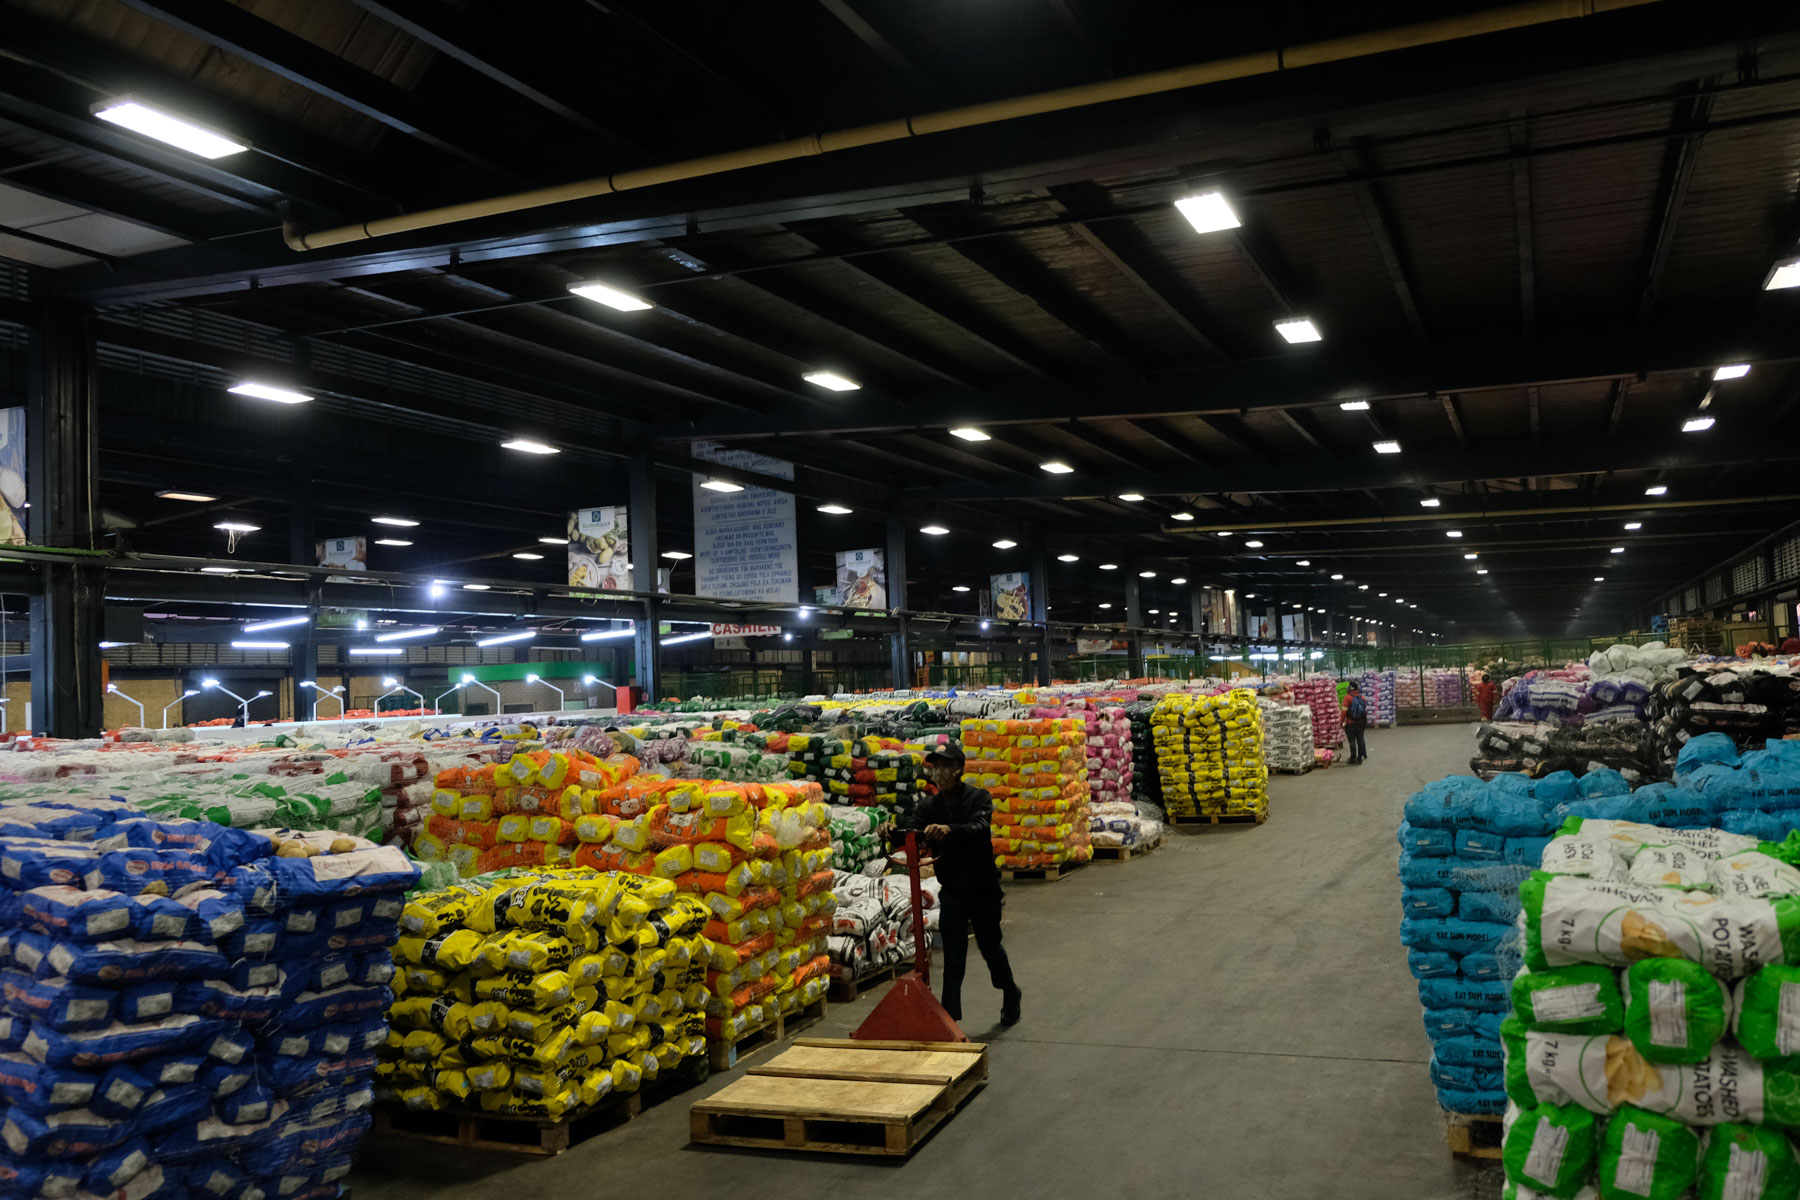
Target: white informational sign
746	631
745	544
600	549
348	554
862	579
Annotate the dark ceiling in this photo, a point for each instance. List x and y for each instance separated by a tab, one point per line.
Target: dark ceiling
1526	253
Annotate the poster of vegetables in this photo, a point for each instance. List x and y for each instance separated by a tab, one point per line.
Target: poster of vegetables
1012	596
12	475
862	579
600	549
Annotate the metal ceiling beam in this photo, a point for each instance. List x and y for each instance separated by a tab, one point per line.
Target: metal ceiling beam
1358	161
1518	138
238	31
1297	380
487	51
1453	414
878	43
1691	117
661	44
1119	243
47	178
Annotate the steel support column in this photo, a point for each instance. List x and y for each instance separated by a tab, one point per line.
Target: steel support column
1037	591
1134	620
60	448
900	661
647	642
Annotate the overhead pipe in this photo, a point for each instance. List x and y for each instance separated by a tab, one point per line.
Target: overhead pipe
1479	515
1244	66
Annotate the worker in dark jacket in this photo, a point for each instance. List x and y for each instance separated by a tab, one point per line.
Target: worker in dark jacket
956	824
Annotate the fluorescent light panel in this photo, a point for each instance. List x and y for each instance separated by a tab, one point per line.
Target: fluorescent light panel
502	638
400	635
606	635
1298	330
831	381
1005	544
1784	274
1696	425
264	391
612	297
534	556
1354	405
392	542
191	497
376	650
1056	468
1208	212
167	128
1731	371
835	510
237	527
969	433
722	485
1387	447
402	522
278	623
254	645
933	530
527	446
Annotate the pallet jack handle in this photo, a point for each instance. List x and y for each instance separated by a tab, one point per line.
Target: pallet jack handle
921	944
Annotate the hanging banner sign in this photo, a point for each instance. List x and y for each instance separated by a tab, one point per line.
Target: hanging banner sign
1012	596
745	544
348	554
862	579
746	631
12	476
600	549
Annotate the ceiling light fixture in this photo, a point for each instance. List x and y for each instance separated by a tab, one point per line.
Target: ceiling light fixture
1130	497
265	391
606	635
402	635
278	623
835	510
1253	545
368	650
612	297
1481	570
501	639
1005	544
251	645
1179	580
1337	576
166	128
1354	405
831	381
219	570
1632	525
1109	566
933	530
1387	447
402	522
1208	212
676	555
533	556
969	433
961	587
721	485
392	542
553	541
476	587
1056	468
1469	556
1617	550
1430	502
1105	604
1784	274
1731	371
237	526
1455	533
527	446
1068	558
1696	425
1599	579
191	497
1305	562
1658	490
1146	574
1298	329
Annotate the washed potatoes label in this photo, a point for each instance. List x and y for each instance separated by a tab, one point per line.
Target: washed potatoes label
1571	920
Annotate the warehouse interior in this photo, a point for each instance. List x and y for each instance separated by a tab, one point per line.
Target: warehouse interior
1135	340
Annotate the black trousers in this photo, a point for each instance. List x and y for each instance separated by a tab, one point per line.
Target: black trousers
1359	749
956	913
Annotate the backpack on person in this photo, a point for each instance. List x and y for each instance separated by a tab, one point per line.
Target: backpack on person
1359	711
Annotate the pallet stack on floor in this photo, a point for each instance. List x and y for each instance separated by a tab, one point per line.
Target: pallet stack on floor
1037	772
1287	736
1209	753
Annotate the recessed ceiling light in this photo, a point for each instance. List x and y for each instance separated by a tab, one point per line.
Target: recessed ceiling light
264	391
1130	497
191	497
237	527
1362	587
1106	606
1181	516
836	510
1056	468
1731	371
1224	533
1109	566
933	530
1178	580
612	297
969	433
1634	525
1599	579
1146	574
1337	576
1068	558
392	542
1354	405
1430	502
1481	570
1154	611
961	587
403	522
1618	550
1658	490
831	381
1696	425
722	485
677	555
1297	330
1455	533
1469	556
533	556
527	446
1208	212
1784	274
1305	562
166	128
1253	545
1383	594
1387	447
1005	544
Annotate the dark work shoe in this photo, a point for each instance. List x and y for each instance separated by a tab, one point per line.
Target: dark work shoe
1009	1007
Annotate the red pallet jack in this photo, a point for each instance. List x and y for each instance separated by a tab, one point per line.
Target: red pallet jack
910	1012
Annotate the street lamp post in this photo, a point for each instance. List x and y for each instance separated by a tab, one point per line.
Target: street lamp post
174	702
471	681
243	704
591	680
114	689
562	701
437	706
320	693
394	685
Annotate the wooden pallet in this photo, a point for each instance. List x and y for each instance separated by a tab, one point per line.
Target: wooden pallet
723	1055
1256	818
1124	853
1294	770
845	991
472	1129
1048	874
843	1097
1472	1135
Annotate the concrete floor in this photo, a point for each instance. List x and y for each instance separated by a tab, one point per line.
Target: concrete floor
1229	1016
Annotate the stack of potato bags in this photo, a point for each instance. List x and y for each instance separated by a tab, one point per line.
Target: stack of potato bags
526	812
1209	754
541	993
1037	773
1288	735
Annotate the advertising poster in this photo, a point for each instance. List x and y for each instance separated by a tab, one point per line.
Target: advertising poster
348	554
825	595
745	545
12	475
1012	595
600	549
862	579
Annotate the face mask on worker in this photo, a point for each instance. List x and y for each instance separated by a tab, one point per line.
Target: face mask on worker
943	777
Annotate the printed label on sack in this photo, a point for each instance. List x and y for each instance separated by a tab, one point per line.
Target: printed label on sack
1787	1019
1636	1168
1668	1012
1745	1172
1572	1002
1544	1161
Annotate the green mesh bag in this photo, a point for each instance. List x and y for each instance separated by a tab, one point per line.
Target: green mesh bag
1675	1011
1645	1154
1747	1162
1579	999
1550	1149
1768	1012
